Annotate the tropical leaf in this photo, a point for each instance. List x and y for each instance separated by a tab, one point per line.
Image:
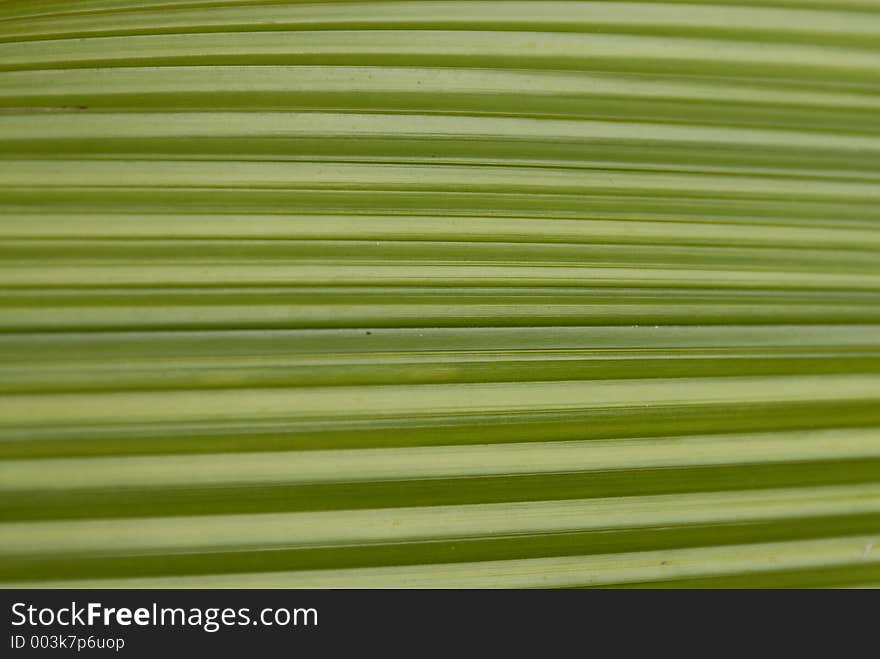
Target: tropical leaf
439	293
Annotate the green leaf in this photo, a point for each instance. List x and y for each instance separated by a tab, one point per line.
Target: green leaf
439	293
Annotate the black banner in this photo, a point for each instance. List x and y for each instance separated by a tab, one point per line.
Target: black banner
281	622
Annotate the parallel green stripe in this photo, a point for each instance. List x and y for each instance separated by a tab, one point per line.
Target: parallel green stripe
454	48
436	140
434	462
439	294
162	437
175	534
463	206
430	274
427	252
284	370
433	342
483	90
255	226
56	7
127	315
568	16
423	400
601	570
126	174
255	125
